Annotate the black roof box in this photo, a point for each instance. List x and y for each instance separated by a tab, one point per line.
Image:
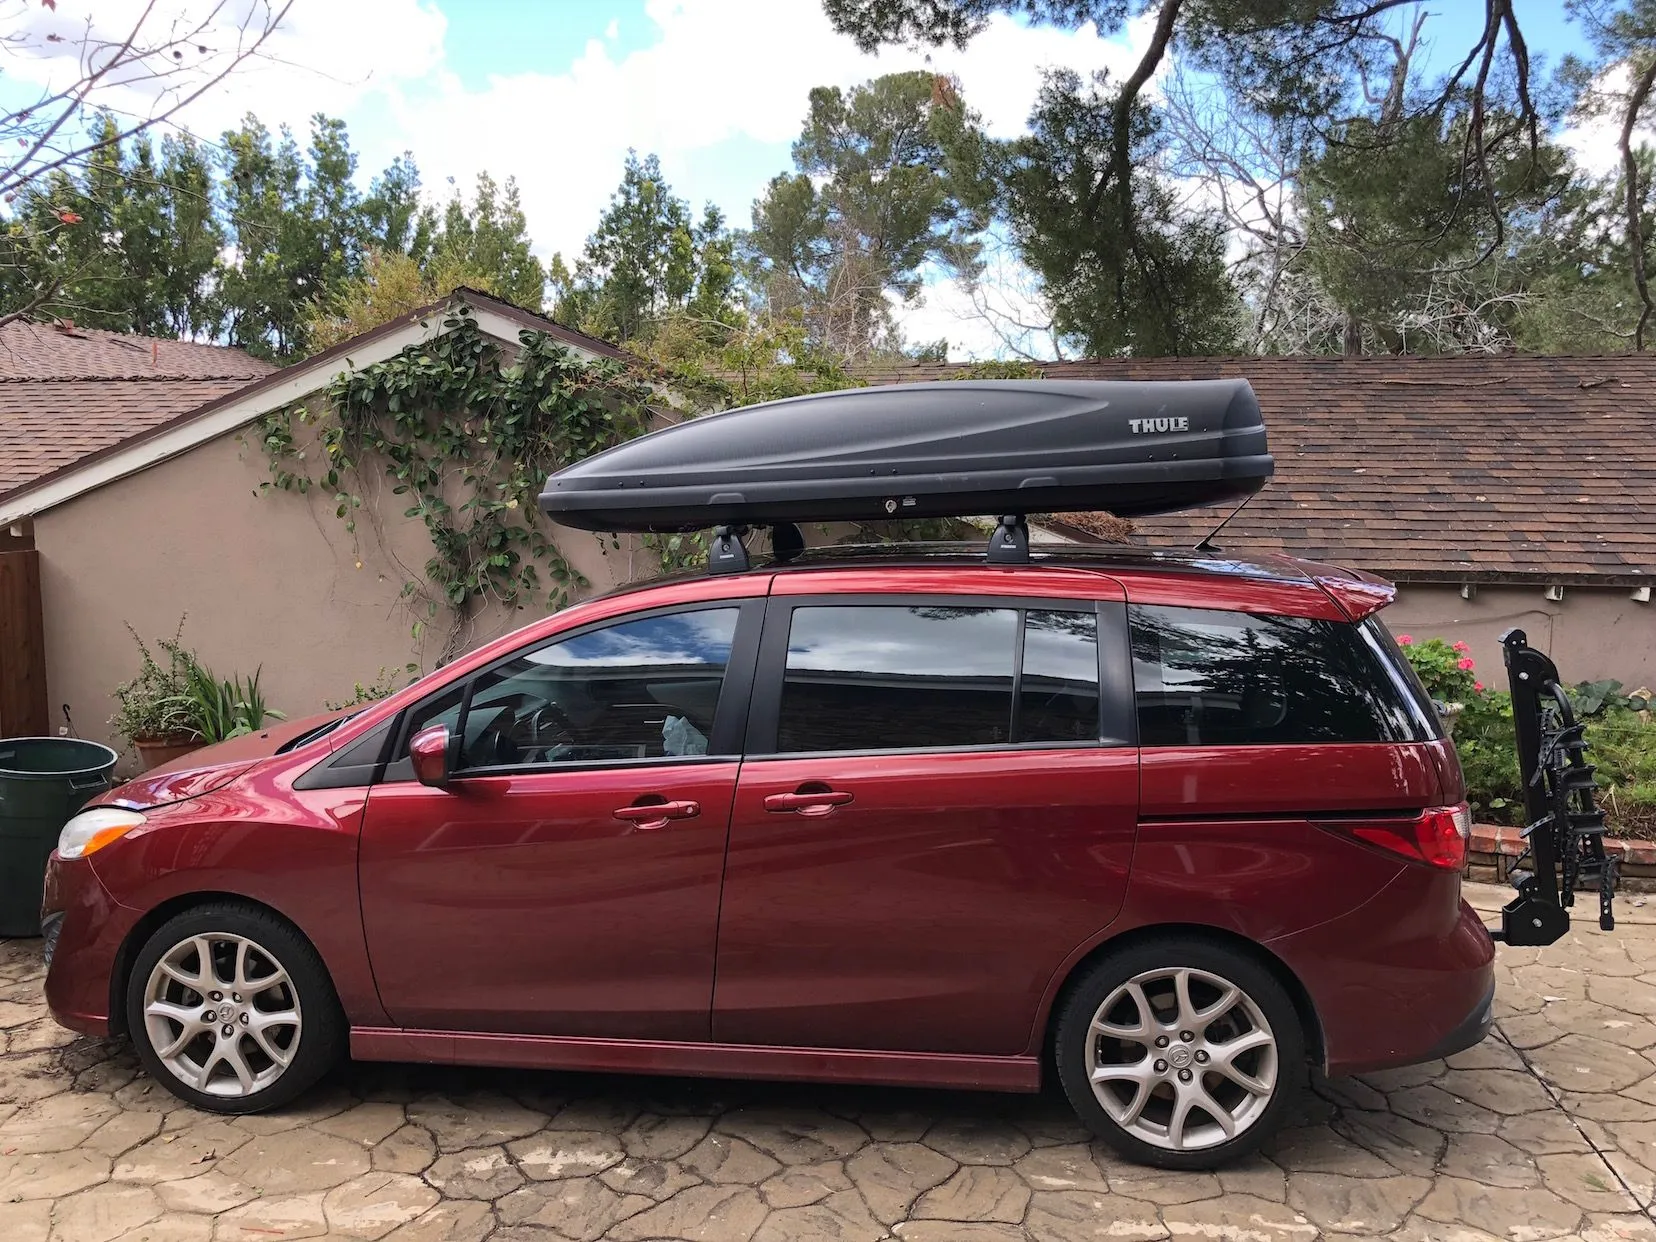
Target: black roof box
952	449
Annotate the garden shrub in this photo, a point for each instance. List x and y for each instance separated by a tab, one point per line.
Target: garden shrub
1620	734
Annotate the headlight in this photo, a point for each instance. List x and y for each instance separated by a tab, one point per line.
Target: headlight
91	830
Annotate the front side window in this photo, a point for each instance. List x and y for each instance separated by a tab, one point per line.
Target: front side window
636	690
905	677
1207	677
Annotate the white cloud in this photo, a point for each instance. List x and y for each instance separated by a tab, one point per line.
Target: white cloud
1596	141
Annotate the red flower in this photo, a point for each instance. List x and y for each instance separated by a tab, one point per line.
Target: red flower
1403	640
1464	665
1462	647
1478	686
68	217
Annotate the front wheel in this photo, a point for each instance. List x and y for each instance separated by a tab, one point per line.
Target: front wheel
232	1010
1180	1053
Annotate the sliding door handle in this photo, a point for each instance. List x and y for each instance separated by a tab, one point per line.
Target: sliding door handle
657	814
820	802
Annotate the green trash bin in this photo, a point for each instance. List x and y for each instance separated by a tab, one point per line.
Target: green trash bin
43	782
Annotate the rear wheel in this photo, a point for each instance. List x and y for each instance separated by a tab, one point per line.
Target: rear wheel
232	1010
1180	1053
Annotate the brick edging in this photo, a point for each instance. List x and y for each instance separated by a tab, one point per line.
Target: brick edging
1505	841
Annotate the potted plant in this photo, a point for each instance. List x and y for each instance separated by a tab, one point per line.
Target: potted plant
176	705
155	712
222	708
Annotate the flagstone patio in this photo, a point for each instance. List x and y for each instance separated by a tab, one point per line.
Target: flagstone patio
1546	1130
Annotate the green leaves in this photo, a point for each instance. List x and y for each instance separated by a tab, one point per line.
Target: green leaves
467	440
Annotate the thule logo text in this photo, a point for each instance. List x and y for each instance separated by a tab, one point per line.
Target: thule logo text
1146	426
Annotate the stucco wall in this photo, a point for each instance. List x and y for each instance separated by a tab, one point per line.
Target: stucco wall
266	579
1592	633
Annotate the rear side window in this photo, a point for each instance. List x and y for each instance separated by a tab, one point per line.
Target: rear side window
904	677
1206	677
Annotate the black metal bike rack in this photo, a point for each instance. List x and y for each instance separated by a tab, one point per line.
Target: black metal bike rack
1565	832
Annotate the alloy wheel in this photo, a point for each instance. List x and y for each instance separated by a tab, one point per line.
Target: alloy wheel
1182	1059
222	1014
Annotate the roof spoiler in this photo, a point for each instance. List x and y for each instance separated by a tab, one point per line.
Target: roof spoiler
1359	595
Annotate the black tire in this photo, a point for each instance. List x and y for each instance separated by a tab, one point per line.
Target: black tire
1257	985
319	1038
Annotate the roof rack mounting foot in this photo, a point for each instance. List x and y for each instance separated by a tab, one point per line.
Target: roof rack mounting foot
1009	545
786	542
726	554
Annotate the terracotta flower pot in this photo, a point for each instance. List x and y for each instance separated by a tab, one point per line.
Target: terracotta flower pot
153	752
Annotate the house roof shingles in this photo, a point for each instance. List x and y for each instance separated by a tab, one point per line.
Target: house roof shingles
65	394
1462	468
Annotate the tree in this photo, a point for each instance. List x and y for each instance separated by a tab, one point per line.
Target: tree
166	60
647	264
1619	82
1160	286
391	283
488	239
874	200
639	264
1298	64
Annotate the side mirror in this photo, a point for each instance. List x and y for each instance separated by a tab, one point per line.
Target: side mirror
431	752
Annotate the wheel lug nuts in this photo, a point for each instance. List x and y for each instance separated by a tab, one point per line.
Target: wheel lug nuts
245	1020
1161	1041
209	1016
1161	1067
1201	1058
1184	1075
236	996
228	1030
1187	1036
216	996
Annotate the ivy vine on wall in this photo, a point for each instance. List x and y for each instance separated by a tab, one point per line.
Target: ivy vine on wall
467	434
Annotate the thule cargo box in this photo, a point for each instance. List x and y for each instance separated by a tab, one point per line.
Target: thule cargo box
952	449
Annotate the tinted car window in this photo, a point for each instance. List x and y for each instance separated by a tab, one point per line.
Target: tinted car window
1205	677
884	677
644	689
1058	692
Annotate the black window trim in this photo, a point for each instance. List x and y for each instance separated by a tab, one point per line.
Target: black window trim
1118	720
724	743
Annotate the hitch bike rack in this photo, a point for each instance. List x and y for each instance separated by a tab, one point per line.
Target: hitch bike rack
1565	833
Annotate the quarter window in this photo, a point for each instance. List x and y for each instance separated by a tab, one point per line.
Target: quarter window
895	677
1207	677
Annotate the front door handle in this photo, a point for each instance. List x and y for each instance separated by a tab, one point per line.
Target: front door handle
657	814
819	802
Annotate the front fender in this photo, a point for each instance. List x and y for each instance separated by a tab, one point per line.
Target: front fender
294	851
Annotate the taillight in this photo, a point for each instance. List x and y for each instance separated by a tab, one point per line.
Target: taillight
1437	837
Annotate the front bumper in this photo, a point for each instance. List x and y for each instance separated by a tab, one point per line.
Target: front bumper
83	927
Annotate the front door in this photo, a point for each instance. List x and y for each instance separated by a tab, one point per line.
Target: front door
937	809
567	883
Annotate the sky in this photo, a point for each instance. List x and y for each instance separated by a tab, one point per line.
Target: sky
554	93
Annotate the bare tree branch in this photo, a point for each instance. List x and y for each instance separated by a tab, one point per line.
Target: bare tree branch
1635	196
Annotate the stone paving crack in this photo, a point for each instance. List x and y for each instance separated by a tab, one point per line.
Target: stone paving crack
1646	1209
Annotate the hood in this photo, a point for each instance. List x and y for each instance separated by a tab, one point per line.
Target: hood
214	766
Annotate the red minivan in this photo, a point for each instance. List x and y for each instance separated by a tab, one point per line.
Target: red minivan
1173	827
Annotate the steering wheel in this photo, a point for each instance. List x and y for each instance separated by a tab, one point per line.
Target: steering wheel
544	730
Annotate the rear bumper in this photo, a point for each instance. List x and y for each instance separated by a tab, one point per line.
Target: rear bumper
1407	977
87	927
1471	1029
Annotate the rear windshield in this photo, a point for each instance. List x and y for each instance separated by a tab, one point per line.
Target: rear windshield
1207	677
